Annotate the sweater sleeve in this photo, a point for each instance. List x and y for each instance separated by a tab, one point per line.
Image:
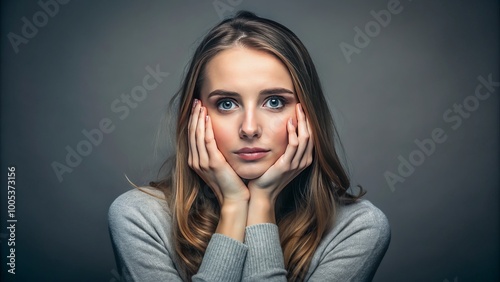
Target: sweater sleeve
353	250
265	256
140	231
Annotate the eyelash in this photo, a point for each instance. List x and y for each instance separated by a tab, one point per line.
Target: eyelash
224	100
279	98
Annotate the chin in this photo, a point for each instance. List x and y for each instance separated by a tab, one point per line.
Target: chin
251	170
248	174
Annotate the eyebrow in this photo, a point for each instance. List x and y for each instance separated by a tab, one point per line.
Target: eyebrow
269	91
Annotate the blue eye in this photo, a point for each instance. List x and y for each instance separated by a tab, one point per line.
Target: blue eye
225	105
275	103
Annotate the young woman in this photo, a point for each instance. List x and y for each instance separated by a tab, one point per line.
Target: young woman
255	191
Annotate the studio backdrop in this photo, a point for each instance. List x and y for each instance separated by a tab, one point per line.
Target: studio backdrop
413	86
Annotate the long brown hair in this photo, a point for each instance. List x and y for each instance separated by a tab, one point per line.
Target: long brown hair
305	209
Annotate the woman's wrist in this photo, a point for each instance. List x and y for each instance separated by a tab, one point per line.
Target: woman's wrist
233	217
238	196
260	210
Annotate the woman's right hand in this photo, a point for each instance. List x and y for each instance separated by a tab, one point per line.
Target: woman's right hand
208	162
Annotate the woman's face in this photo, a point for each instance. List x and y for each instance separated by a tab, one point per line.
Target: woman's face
249	97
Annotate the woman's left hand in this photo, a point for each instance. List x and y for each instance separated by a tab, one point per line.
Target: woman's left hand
298	156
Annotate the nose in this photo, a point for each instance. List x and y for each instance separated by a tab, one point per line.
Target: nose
250	127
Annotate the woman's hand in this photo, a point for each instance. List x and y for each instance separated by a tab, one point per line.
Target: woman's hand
208	162
298	156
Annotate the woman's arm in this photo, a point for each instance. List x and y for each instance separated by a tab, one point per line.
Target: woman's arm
209	163
351	251
354	248
138	224
265	256
140	229
298	156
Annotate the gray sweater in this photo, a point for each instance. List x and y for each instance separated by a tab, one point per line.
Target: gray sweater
140	228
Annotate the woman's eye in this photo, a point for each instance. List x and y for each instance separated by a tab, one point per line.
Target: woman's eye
226	105
275	103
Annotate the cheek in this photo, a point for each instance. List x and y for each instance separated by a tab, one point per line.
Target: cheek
279	132
222	134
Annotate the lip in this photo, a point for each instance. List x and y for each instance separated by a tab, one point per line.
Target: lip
252	154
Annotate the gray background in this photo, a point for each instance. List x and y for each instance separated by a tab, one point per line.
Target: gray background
444	216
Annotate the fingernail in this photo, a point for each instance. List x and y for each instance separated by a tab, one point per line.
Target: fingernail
206	118
290	121
195	102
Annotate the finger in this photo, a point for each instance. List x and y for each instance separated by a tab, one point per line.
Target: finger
200	139
211	145
308	156
303	137
293	143
190	154
214	155
193	156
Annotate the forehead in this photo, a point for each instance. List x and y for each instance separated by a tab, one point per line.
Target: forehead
245	70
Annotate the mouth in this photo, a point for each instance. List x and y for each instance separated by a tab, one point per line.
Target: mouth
252	154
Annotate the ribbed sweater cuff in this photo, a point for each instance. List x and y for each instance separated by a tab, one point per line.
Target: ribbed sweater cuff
264	248
223	259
